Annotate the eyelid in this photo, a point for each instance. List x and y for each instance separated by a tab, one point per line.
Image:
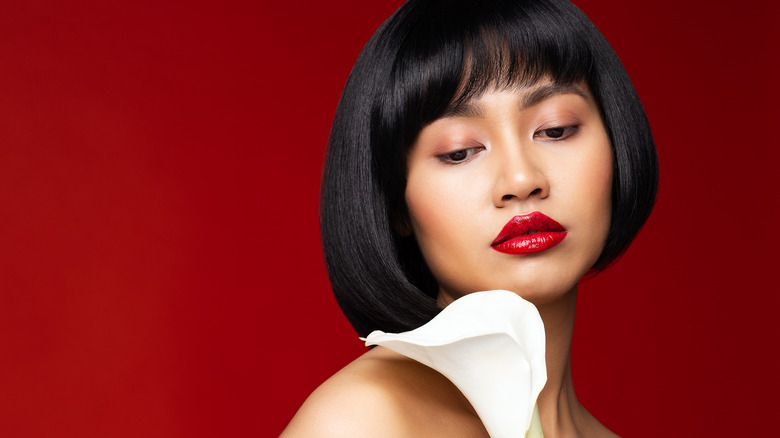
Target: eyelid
568	131
471	152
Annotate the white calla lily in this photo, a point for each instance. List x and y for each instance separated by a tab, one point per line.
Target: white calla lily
490	345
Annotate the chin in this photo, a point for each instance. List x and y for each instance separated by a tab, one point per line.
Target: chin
538	292
549	295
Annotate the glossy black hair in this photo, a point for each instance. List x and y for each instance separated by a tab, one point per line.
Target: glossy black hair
427	57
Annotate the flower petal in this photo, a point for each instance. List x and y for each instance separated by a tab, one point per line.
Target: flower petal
491	346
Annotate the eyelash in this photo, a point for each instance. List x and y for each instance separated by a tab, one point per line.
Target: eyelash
562	132
565	132
470	152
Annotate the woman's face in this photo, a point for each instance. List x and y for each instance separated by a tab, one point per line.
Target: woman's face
522	153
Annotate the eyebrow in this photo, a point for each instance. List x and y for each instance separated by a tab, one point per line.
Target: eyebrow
546	91
535	97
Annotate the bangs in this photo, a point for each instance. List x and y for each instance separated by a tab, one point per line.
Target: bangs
455	51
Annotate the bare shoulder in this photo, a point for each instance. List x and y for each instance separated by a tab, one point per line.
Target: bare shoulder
384	394
356	401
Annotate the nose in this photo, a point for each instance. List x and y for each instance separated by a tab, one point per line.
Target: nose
519	177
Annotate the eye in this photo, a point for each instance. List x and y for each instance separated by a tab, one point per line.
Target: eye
460	156
557	133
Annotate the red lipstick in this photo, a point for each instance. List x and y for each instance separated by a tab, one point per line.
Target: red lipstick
529	234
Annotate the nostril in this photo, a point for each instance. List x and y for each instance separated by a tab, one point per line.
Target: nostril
535	192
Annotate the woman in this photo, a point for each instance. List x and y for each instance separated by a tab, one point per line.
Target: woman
477	146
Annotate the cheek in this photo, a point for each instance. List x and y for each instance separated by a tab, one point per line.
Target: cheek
425	216
602	182
443	208
430	201
595	183
583	188
595	191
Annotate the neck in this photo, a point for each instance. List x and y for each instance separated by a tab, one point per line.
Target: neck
559	409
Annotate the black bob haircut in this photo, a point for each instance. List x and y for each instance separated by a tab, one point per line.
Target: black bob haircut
427	57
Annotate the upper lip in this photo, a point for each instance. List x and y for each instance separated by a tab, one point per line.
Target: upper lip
531	222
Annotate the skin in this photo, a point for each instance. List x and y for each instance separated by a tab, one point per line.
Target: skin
507	152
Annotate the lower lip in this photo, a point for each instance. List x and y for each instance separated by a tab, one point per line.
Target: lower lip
531	243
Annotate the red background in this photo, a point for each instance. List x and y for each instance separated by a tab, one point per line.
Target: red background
160	266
